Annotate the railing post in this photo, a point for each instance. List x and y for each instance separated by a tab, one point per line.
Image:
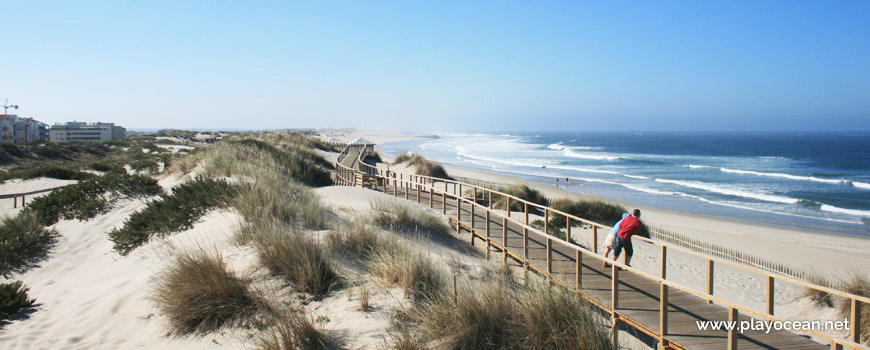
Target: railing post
489	202
508	206
471	206
525	248
595	239
579	271
855	334
431	193
549	258
614	288
770	295
487	235
458	209
664	273
444	202
709	279
732	333
546	221
568	229
663	310
504	243
526	209
417	185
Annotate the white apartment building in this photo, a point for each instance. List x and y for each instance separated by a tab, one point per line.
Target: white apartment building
17	130
81	131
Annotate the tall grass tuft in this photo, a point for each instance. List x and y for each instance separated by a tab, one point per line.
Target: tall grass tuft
269	198
292	330
523	192
424	166
819	298
396	262
500	314
295	257
13	298
552	318
400	217
199	294
23	240
858	284
172	212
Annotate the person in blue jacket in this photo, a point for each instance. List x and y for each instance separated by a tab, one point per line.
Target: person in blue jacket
611	238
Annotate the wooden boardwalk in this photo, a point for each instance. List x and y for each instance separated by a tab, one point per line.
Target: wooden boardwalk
638	298
663	314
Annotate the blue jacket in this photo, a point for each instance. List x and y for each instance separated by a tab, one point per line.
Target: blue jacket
615	228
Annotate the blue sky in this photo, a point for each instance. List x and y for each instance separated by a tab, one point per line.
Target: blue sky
427	66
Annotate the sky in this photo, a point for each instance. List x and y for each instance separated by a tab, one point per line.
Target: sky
440	66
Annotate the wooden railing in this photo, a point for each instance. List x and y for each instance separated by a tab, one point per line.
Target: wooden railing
453	190
25	194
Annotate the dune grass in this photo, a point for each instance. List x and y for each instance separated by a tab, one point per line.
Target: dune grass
819	298
424	166
271	198
199	294
523	192
293	330
392	215
90	197
172	212
294	256
499	313
858	284
13	298
23	240
392	259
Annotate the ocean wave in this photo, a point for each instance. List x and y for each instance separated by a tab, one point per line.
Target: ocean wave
731	191
833	209
705	167
636	177
777	212
584	170
790	177
861	185
573	154
556	146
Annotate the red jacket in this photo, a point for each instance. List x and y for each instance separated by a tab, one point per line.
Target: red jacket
628	228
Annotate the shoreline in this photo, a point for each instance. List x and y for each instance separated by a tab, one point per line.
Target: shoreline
811	251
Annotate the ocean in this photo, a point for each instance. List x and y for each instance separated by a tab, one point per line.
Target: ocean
812	181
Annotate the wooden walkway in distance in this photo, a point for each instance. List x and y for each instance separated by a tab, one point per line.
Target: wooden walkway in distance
638	303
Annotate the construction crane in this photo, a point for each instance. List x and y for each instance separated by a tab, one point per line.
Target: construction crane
6	106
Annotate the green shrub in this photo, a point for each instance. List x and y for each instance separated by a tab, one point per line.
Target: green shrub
198	294
424	166
108	166
51	172
392	215
13	298
592	210
523	192
23	240
294	256
172	212
90	197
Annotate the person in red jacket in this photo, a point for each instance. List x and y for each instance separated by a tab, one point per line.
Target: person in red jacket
627	228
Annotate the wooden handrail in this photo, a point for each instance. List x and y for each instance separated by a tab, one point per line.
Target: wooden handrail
428	182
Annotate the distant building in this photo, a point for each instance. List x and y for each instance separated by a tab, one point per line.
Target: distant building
44	134
17	130
81	131
7	128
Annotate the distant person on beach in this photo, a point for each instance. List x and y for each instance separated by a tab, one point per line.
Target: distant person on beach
611	238
627	228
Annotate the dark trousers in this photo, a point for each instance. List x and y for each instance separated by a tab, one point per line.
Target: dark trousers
621	243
